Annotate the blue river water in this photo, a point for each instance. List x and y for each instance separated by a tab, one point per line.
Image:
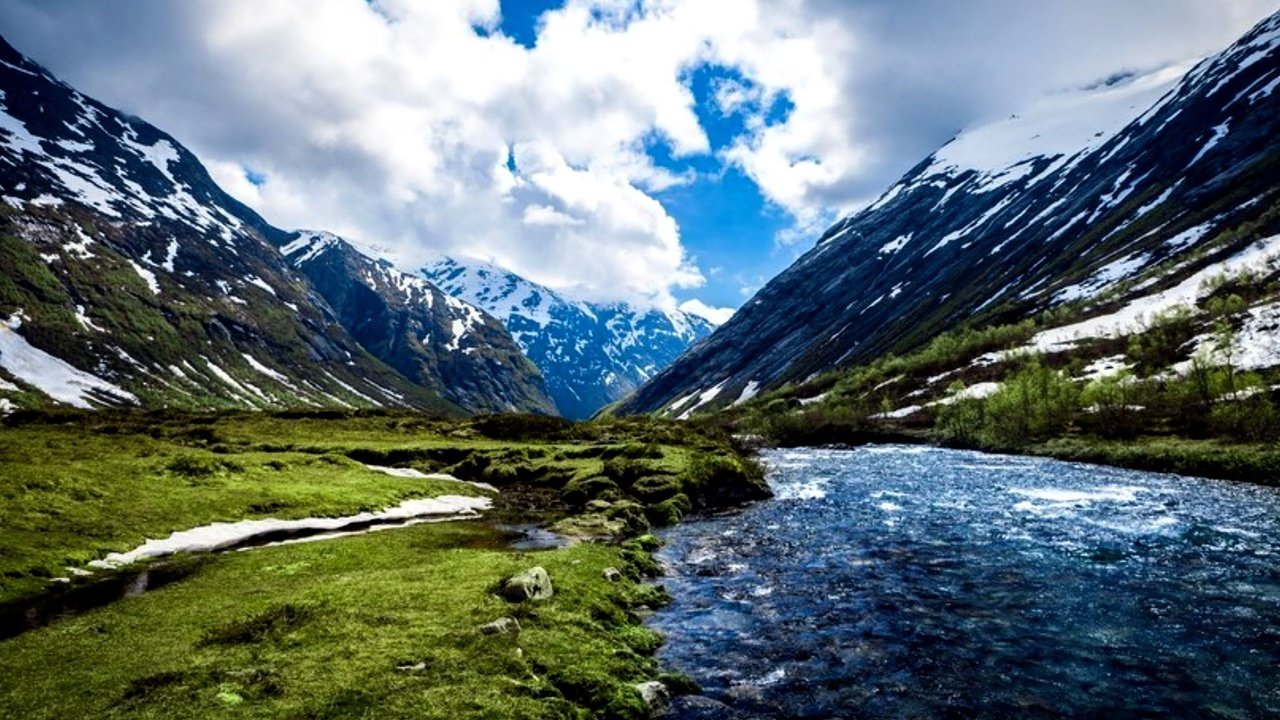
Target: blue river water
915	582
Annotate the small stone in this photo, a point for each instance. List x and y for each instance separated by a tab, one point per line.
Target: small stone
612	574
531	584
655	696
411	667
501	626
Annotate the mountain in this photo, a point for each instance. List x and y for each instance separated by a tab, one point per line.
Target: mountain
591	354
1086	202
432	338
130	277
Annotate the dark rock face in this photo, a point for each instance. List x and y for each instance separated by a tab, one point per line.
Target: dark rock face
591	354
1162	173
131	277
434	339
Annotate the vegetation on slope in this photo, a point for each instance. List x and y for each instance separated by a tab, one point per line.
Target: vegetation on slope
1170	396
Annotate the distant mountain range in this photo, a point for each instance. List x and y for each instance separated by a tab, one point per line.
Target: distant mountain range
1087	202
130	278
591	354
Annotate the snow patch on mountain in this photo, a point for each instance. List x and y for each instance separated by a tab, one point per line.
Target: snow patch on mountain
590	353
1062	125
1263	256
51	375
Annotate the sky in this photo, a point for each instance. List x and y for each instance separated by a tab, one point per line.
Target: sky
664	152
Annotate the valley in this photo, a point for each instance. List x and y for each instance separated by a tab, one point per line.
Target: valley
543	393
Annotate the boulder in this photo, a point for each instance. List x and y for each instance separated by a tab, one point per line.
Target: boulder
655	697
501	626
531	584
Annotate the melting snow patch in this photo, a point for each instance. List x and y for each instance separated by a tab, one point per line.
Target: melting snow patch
748	392
1190	236
418	474
1258	341
221	536
1105	367
896	244
1219	132
148	277
170	254
255	280
84	320
55	378
977	391
704	398
1263	255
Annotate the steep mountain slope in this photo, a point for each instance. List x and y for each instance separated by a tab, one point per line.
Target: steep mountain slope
1089	198
434	339
130	277
591	354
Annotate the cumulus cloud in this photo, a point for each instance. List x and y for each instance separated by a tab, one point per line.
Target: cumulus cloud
419	127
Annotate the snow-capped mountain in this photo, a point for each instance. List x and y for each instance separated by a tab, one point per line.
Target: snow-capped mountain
130	277
1091	197
432	338
591	354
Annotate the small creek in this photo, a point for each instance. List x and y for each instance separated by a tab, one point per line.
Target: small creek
913	582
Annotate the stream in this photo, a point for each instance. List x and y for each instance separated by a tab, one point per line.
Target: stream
916	582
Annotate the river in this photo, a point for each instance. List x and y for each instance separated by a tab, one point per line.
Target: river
915	582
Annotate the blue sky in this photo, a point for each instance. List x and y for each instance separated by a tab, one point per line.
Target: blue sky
726	224
656	151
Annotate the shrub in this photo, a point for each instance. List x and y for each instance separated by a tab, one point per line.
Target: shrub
1112	405
1034	404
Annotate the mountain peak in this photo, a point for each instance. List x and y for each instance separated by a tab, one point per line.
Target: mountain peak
591	354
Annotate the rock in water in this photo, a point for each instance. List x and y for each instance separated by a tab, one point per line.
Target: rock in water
531	584
655	697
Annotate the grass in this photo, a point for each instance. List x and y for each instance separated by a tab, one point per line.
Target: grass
69	495
77	486
1257	463
377	626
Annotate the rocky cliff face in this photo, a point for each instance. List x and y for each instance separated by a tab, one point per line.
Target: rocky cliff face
591	354
1087	199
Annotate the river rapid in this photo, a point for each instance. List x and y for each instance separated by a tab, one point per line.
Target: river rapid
916	582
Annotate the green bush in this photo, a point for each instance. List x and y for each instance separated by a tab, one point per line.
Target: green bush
1253	418
1034	404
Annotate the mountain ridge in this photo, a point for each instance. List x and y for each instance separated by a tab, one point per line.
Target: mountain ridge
131	277
591	354
1180	184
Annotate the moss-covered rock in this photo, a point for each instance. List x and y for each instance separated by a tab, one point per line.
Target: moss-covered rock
631	515
579	491
669	511
655	488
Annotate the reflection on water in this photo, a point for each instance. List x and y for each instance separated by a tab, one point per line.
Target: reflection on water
920	582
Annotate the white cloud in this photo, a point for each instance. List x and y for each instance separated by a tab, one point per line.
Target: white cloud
713	315
400	124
